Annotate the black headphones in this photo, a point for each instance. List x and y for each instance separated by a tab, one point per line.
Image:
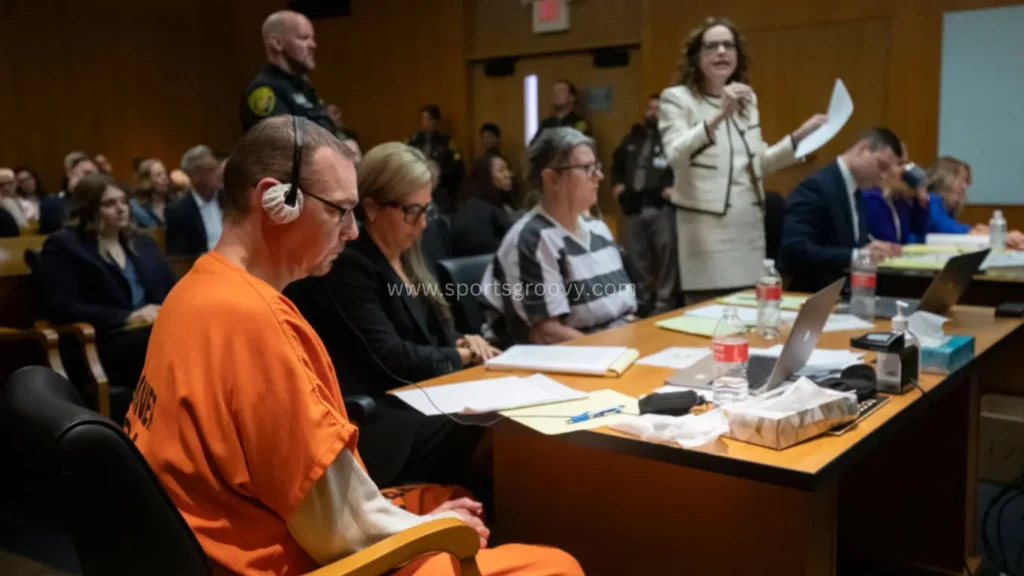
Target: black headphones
283	202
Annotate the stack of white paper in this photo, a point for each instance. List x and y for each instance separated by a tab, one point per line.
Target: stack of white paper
820	360
482	396
595	360
676	357
977	240
1003	260
835	322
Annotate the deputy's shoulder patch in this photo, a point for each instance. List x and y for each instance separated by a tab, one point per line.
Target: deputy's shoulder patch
262	101
582	126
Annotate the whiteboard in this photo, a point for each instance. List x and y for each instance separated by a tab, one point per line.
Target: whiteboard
981	101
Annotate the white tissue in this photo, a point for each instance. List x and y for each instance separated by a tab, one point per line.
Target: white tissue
927	328
687	431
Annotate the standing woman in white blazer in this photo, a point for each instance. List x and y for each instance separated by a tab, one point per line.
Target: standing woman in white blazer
711	133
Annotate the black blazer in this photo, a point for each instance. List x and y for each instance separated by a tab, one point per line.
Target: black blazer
817	234
8	226
357	319
53	210
186	233
479	227
78	285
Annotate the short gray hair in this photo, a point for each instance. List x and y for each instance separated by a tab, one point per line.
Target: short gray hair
193	155
552	147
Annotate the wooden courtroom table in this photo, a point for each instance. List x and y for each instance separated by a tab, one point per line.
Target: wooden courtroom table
896	490
989	288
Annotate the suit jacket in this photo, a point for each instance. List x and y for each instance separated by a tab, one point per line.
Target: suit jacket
882	223
817	235
52	213
478	227
186	233
78	285
358	316
8	226
625	162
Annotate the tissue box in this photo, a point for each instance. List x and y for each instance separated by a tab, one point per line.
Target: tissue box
949	356
790	415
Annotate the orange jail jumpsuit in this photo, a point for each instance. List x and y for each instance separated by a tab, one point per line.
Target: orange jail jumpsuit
239	413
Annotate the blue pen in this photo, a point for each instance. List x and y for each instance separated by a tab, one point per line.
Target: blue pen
591	415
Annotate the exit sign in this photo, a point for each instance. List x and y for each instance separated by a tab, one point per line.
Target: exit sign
550	16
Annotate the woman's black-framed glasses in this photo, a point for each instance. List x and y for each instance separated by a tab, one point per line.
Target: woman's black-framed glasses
413	212
589	169
343	211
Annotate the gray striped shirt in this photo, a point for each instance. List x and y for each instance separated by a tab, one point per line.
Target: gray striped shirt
542	271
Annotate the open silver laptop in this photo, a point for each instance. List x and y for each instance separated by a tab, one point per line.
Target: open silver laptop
944	291
765	373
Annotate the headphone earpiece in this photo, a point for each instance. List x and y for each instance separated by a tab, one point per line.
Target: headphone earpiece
275	203
283	202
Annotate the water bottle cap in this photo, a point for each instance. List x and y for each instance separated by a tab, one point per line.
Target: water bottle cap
998	214
769	262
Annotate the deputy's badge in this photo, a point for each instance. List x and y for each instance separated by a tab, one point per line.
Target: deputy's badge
262	101
582	126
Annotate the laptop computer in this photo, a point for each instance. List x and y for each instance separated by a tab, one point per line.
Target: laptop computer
765	373
944	291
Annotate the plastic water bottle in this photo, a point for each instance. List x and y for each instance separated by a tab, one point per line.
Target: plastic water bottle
769	301
731	350
863	279
997	232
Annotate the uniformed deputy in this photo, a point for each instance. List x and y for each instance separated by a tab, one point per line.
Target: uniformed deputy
283	86
564	104
440	148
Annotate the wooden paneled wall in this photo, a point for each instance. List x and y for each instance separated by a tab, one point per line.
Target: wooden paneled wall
152	78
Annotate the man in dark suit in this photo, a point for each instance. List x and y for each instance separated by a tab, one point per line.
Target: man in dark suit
825	217
194	220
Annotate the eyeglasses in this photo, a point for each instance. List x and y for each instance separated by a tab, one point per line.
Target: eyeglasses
343	211
590	169
714	45
413	212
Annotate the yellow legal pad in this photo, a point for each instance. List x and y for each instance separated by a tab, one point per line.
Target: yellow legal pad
690	325
749	299
553	418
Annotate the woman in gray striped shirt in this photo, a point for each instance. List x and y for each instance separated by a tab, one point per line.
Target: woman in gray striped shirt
558	273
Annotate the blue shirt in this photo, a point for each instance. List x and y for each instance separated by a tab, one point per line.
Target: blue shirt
144	216
940	220
900	221
134	285
213	218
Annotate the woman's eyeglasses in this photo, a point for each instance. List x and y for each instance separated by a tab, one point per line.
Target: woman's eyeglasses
590	169
413	212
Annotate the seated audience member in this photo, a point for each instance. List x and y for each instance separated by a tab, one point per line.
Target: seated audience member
30	190
947	184
483	217
825	215
490	139
440	148
53	209
248	432
380	299
895	213
194	220
100	271
558	273
9	197
152	187
103	163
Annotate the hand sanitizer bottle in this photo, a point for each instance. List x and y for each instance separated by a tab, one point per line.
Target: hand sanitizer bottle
897	371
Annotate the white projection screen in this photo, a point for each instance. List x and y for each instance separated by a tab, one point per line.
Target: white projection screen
981	106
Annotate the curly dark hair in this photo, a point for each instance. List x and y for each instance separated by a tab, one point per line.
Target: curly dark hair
688	66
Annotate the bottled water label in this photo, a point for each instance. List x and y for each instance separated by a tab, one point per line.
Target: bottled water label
768	292
863	280
730	352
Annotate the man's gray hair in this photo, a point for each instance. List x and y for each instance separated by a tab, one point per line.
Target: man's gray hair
551	149
194	155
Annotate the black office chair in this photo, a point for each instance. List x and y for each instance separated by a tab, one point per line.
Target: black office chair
118	515
120	519
437	241
465	272
774	215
